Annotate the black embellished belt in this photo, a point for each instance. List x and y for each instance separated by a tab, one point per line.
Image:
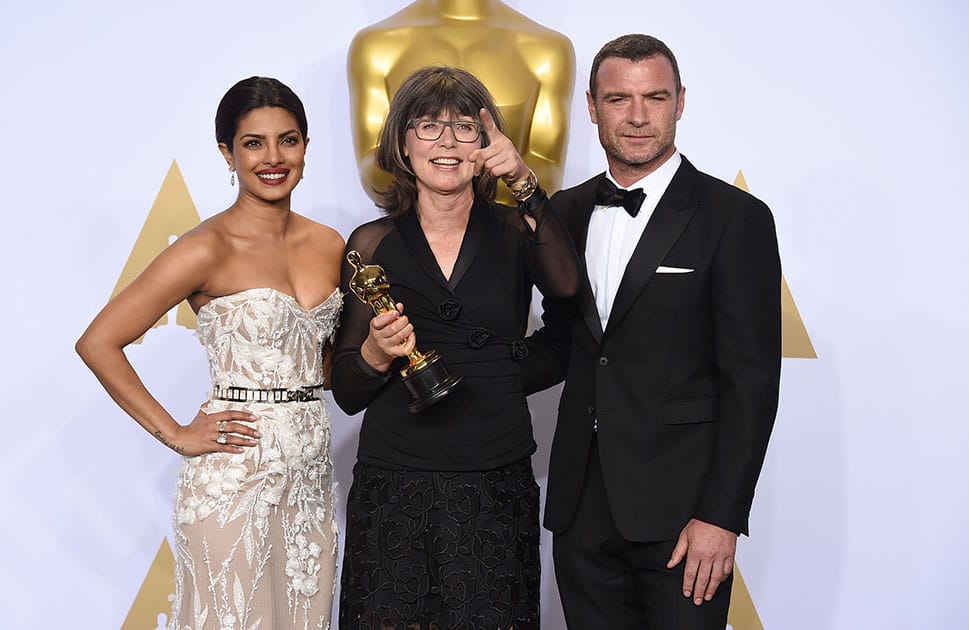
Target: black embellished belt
277	395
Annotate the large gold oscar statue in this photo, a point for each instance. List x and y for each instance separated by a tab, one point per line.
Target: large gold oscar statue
529	69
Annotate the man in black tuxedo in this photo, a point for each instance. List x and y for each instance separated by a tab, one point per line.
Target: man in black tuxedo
671	358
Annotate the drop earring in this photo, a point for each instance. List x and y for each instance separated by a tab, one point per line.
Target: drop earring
232	177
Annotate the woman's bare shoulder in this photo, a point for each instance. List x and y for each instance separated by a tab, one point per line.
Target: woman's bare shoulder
211	228
206	243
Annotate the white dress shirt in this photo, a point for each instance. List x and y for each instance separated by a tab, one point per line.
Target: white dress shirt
613	235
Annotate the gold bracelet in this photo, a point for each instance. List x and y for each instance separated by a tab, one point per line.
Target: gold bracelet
523	189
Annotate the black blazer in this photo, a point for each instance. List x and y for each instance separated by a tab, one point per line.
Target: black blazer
684	380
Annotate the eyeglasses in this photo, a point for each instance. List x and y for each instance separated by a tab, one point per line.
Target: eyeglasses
463	130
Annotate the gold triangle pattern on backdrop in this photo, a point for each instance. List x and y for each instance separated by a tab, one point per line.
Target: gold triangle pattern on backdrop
153	603
172	214
795	342
742	615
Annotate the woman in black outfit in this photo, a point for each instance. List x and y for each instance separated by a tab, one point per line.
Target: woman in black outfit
442	516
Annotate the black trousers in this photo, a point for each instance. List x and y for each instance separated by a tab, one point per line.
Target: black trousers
606	581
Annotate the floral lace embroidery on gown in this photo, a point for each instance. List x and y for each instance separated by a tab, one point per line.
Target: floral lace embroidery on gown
255	533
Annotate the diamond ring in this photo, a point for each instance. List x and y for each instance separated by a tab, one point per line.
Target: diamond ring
222	439
221	425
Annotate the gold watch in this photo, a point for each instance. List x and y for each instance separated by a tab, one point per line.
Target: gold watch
523	189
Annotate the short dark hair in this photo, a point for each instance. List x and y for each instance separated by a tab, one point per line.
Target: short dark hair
252	93
428	92
635	47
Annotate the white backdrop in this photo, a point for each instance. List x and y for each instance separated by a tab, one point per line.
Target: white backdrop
848	118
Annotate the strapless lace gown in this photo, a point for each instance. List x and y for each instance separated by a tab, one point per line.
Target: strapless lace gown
255	533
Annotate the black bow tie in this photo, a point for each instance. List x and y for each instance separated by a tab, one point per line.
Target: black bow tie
607	194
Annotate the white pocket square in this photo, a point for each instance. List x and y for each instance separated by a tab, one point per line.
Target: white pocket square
662	269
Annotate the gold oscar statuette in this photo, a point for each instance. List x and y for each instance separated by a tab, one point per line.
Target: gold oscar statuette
426	377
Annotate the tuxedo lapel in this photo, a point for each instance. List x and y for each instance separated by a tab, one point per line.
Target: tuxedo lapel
669	219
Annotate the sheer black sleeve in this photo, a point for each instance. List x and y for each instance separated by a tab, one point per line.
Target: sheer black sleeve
549	346
356	383
551	258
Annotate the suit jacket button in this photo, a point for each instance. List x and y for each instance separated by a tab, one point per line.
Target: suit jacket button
603	361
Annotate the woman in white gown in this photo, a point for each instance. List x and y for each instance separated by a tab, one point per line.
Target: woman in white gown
255	534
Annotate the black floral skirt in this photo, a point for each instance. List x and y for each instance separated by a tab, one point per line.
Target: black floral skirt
441	550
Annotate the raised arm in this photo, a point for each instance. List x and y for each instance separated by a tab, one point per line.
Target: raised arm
551	260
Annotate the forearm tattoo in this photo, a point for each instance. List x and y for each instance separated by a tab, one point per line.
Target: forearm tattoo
177	449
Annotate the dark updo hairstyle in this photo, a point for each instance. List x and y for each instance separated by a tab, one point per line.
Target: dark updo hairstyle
250	94
427	93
